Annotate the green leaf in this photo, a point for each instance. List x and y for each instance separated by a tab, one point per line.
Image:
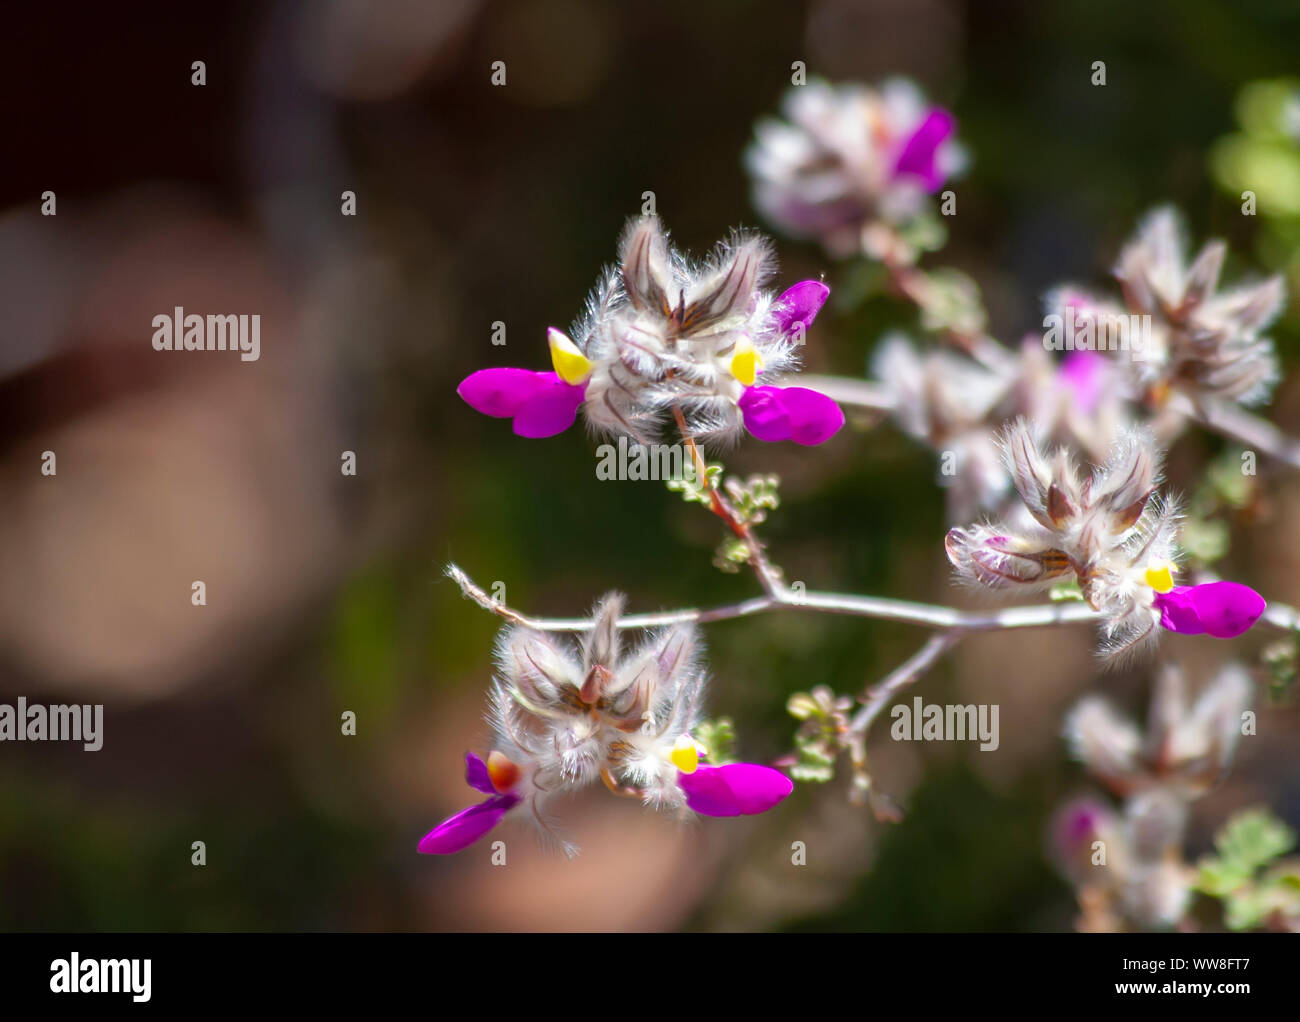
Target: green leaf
695	490
802	706
811	773
1204	540
813	765
925	232
1252	839
730	555
1220	879
719	737
1280	663
1243	911
955	303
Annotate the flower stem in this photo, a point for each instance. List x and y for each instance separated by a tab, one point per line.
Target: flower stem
768	576
912	284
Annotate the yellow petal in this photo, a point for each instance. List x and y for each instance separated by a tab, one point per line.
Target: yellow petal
1159	576
746	362
571	365
685	755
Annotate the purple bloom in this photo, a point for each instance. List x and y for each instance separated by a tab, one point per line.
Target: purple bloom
541	404
800	305
736	789
477	775
919	156
468	825
845	156
1221	609
1079	823
1074	829
790	413
661	334
1083	373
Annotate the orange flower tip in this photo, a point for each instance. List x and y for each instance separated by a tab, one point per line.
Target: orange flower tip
503	771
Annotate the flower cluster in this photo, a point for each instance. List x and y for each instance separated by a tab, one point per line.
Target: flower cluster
563	719
1180	331
1187	747
1079	402
847	156
949	403
665	335
955	406
1108	531
1137	872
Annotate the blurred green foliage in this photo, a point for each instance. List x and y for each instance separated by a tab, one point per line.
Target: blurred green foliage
1244	872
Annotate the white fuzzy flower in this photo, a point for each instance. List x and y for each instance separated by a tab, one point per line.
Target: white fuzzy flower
666	339
564	717
575	716
1109	531
663	331
847	155
952	405
1201	340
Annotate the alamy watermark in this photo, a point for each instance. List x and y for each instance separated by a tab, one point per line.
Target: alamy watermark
949	722
55	723
645	462
75	975
1097	330
181	332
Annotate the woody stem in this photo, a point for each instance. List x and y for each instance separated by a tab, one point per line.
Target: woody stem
881	695
1222	417
926	615
912	284
768	576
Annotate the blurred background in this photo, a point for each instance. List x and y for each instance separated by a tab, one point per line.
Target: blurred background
475	205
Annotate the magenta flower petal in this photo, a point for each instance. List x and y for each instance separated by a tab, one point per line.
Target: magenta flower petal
1227	609
919	155
1083	373
1078	823
765	416
477	776
736	789
501	393
551	409
814	418
790	413
1076	826
1221	609
466	827
1176	611
800	304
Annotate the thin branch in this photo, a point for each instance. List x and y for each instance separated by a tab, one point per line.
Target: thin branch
925	615
876	698
881	695
1235	423
845	390
915	285
951	626
768	576
1221	417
